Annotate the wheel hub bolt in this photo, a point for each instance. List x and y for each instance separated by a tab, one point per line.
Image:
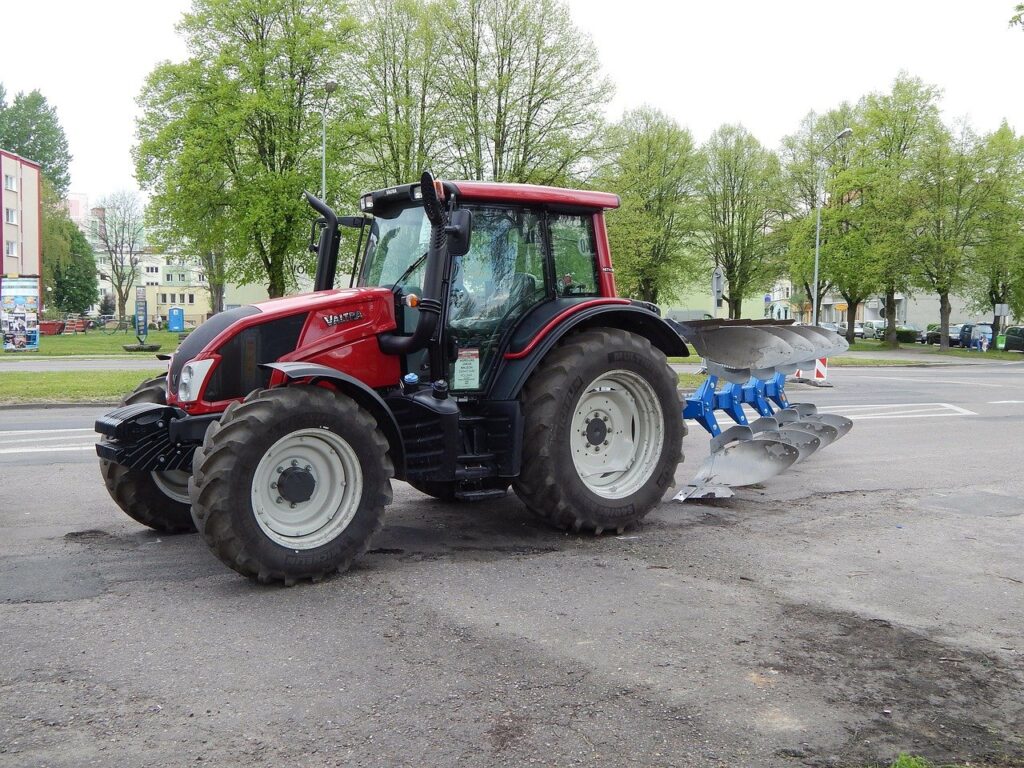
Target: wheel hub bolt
279	499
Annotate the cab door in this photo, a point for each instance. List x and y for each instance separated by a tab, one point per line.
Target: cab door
504	274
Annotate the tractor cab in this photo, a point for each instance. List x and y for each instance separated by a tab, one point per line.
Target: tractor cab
511	248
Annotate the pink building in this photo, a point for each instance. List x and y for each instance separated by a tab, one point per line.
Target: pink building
21	223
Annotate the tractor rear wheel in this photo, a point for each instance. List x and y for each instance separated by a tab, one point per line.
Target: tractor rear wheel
291	484
158	500
604	425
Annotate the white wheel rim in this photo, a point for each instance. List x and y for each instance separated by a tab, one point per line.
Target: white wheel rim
338	479
173	484
616	457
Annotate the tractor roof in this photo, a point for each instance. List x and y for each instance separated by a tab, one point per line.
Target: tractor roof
496	192
500	192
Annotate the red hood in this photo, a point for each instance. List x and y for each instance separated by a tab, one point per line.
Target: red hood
305	302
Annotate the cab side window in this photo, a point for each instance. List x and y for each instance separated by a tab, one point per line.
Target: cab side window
574	249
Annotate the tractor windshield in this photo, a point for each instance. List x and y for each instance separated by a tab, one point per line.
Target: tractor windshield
398	237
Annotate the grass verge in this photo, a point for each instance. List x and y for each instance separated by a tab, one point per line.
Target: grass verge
874	345
17	387
691	380
97	343
872	362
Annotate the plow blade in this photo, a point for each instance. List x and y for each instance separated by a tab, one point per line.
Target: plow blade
806	413
826	433
738	459
767	428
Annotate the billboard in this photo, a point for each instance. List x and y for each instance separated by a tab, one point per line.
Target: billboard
19	313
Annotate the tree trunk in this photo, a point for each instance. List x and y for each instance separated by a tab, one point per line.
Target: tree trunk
851	320
735	307
944	312
890	318
276	284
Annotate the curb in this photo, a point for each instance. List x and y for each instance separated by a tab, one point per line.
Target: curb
40	406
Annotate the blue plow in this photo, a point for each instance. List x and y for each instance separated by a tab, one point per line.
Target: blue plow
753	360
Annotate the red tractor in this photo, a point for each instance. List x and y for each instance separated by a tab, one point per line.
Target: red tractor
482	346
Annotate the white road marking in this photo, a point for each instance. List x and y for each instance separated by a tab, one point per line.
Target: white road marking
24	441
42	431
906	410
49	449
1005	402
50	439
960	382
948	406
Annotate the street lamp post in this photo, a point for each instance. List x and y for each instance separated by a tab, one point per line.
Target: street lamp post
817	229
329	87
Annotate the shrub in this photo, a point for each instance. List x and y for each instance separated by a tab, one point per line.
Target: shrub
906	336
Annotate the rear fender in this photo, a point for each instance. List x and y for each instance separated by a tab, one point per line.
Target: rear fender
636	318
358	391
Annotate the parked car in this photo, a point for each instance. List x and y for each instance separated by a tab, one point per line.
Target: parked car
1015	338
858	330
874	329
934	336
829	327
967	333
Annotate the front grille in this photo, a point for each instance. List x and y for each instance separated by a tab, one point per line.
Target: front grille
238	373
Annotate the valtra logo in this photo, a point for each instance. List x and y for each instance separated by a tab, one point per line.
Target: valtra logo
344	317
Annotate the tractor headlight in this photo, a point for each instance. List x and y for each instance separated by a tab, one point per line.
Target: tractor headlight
193	377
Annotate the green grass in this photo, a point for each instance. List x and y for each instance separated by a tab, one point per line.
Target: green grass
18	387
97	343
691	380
876	345
869	362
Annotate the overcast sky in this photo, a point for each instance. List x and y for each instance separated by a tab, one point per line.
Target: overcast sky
764	64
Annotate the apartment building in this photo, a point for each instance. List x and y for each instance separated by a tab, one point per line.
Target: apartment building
20	224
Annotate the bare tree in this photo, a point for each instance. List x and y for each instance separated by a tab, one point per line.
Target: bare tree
120	230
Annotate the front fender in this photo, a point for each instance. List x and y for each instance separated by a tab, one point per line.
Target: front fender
358	391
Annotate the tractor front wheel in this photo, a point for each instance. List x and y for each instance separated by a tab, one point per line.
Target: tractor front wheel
156	499
604	425
291	484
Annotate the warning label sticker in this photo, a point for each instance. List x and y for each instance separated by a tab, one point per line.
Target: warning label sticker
467	370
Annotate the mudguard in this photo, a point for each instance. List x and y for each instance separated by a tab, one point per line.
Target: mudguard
358	391
517	364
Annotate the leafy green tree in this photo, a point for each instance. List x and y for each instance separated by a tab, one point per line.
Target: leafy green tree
398	85
997	266
952	188
892	130
237	128
75	287
522	92
811	162
653	168
29	127
741	196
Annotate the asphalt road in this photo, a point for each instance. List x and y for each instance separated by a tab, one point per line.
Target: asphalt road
869	601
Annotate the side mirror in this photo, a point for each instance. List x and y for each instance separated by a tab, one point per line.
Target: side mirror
459	232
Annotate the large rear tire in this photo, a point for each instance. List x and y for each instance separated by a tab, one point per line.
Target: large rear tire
605	429
158	500
291	484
